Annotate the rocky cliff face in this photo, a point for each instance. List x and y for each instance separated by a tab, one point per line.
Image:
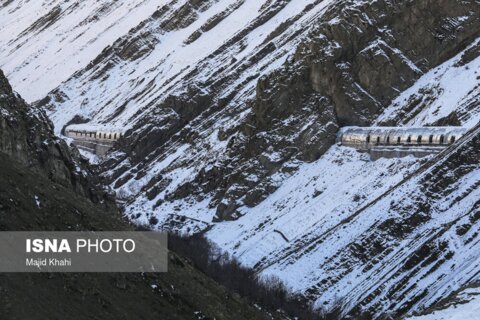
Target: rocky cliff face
238	136
355	61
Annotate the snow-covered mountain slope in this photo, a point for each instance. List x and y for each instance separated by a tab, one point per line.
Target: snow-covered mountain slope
44	42
406	249
232	152
229	42
233	107
448	94
465	306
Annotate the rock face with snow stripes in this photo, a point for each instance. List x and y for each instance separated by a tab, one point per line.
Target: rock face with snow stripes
232	109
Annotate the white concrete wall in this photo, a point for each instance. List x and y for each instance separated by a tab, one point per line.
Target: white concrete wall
97	142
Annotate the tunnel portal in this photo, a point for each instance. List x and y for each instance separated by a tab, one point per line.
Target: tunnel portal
394	142
97	139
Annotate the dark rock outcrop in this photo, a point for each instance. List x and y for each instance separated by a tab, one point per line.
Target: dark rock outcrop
26	134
